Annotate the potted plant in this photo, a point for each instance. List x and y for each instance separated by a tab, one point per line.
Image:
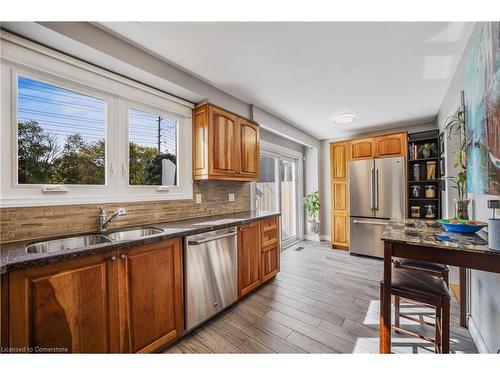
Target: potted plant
455	125
311	203
427	149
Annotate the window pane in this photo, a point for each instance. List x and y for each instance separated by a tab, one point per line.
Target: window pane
288	199
265	188
152	149
60	135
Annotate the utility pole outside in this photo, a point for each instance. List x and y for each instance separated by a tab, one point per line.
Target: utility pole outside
159	135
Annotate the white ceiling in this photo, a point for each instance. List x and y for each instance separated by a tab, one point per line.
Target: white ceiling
391	74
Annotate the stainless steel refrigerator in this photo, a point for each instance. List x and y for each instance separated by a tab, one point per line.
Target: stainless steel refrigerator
376	194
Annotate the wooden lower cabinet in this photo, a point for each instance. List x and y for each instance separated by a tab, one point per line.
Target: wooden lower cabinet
249	257
70	306
127	301
270	262
340	233
259	254
154	296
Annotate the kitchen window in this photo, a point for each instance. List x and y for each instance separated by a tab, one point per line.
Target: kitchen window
61	135
72	133
152	148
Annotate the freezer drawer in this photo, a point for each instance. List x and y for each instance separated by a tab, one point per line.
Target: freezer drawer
210	274
365	236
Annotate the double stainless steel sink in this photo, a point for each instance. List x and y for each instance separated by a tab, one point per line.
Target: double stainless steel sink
79	242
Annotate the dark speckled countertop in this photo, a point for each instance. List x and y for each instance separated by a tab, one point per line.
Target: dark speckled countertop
429	233
13	256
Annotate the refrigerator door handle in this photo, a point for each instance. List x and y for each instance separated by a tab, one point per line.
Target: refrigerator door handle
384	223
375	194
371	190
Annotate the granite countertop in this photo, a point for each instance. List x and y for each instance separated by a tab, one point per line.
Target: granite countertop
430	233
13	256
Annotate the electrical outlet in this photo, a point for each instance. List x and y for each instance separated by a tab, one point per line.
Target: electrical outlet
198	198
231	197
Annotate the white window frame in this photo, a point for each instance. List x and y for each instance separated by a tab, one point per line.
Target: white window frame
182	154
20	57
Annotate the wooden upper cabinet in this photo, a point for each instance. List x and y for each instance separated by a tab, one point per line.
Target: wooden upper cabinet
379	147
70	305
249	257
363	148
224	139
225	145
391	145
249	146
339	155
154	303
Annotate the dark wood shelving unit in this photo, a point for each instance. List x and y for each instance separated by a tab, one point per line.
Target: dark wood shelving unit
420	201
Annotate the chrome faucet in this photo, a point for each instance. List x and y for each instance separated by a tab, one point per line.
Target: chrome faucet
104	221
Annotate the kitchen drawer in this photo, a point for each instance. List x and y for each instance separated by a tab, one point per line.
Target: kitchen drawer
269	224
269	232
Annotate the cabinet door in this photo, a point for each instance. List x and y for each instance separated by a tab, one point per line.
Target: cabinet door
363	148
270	262
391	145
339	194
249	136
340	230
248	257
224	143
71	306
200	142
339	155
154	300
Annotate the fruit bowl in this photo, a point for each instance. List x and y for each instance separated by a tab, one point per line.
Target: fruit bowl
462	226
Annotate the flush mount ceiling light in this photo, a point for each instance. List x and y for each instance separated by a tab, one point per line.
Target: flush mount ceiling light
345	118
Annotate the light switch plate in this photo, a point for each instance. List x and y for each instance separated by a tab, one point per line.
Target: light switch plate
198	198
231	197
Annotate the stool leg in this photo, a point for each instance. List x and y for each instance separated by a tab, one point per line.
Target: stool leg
445	321
397	307
438	330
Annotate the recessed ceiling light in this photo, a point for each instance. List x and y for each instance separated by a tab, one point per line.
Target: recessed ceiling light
345	118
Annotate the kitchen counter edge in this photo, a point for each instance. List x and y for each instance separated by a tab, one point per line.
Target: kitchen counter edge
13	256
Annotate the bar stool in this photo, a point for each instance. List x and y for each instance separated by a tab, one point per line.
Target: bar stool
426	289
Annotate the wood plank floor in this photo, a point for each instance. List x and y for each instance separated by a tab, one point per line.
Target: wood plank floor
322	301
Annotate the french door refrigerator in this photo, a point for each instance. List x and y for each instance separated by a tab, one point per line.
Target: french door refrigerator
376	195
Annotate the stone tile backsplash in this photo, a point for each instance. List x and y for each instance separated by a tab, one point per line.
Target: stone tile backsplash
26	223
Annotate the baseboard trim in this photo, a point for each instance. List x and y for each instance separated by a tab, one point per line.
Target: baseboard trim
325	237
312	237
476	336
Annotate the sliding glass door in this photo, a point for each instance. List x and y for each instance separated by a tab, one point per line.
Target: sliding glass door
277	190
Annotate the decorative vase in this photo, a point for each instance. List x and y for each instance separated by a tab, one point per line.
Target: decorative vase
462	208
313	226
426	153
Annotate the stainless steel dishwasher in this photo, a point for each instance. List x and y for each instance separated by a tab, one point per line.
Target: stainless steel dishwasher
210	274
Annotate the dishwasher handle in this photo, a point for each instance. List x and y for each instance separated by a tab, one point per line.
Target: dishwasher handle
210	239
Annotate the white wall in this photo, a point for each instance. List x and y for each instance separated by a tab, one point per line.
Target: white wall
324	169
484	320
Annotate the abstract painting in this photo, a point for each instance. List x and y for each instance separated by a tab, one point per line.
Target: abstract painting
482	116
